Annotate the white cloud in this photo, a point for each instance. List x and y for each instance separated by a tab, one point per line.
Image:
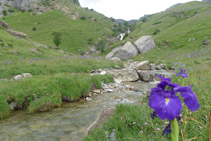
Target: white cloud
129	9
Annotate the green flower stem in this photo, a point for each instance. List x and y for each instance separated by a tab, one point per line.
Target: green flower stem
174	130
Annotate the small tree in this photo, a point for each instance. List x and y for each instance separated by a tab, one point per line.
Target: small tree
57	38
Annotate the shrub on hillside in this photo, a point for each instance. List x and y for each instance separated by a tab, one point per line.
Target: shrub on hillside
4	12
83	18
57	38
34	28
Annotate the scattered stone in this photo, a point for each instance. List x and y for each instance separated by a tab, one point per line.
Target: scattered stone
117	67
25	75
18	77
115	59
41	45
103	73
97	91
34	50
152	66
145	44
158	67
13	106
205	42
88	99
118	81
110	90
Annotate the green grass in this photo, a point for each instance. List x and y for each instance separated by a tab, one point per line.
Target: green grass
33	93
46	62
74	33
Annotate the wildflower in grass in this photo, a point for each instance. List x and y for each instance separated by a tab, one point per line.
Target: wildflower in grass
166	104
141	132
182	73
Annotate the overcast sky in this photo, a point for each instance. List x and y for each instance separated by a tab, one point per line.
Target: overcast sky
129	9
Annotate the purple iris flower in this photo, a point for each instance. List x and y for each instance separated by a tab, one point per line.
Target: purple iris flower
166	103
182	73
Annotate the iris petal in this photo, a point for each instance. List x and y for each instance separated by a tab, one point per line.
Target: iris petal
156	99
189	97
172	110
165	111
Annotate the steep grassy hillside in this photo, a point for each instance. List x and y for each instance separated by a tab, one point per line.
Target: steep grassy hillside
79	27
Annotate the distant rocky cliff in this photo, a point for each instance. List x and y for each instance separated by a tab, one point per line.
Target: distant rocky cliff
36	5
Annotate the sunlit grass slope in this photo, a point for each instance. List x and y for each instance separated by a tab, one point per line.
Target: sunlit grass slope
76	34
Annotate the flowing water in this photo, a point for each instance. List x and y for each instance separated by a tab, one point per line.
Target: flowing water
68	123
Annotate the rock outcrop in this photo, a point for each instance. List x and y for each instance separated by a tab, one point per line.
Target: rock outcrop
126	74
4	24
16	33
145	44
142	45
112	53
127	51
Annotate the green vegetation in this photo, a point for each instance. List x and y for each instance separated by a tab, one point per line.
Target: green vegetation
52	71
75	32
182	32
57	38
48	90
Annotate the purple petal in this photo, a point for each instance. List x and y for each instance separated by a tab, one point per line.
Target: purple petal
162	84
172	109
156	99
178	74
189	97
158	103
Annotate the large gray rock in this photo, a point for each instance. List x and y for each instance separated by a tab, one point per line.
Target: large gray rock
144	76
127	51
112	53
145	44
127	75
151	75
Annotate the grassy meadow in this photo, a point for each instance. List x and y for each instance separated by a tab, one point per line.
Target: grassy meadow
179	41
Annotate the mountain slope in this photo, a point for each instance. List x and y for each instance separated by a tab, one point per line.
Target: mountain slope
179	31
80	28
